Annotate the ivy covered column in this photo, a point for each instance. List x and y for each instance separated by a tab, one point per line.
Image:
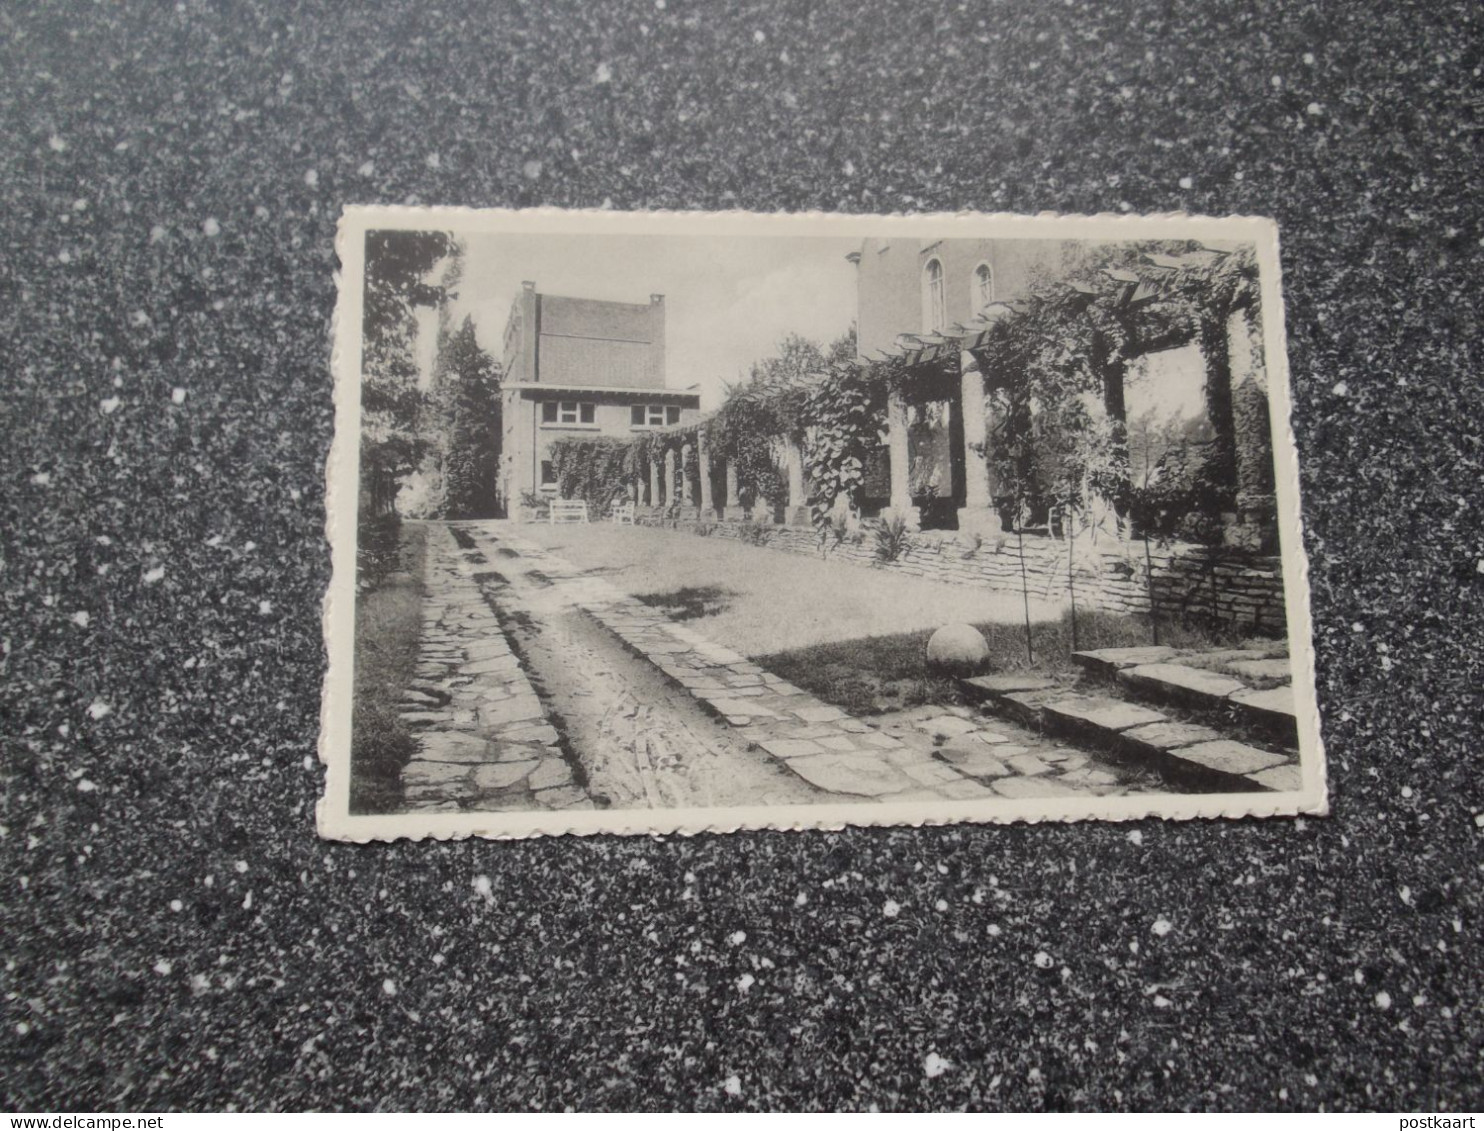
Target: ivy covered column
687	493
1257	524
977	515
734	492
654	479
703	463
901	461
798	501
670	497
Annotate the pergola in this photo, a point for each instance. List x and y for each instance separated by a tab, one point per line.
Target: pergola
956	366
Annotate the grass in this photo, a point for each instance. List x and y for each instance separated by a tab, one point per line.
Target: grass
388	623
874	674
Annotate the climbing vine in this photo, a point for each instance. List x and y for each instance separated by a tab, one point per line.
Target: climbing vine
844	411
597	470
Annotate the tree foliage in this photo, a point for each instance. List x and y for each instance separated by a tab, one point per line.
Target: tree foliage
844	410
466	388
393	429
1058	363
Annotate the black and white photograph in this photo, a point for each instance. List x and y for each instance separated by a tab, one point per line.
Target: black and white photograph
788	556
785	521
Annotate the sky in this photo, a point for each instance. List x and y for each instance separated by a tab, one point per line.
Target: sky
728	300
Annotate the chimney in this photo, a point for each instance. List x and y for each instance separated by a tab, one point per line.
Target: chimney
655	300
528	284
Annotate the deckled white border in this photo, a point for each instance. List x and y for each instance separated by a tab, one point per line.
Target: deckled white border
336	822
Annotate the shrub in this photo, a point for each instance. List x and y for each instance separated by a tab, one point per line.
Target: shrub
377	542
754	533
382	747
705	529
892	539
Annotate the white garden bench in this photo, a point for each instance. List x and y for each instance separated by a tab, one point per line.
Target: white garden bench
622	514
567	511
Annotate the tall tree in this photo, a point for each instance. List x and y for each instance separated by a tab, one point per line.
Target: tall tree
398	264
471	392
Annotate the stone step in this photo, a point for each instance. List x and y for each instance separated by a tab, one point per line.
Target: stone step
1015	695
1187	755
1275	712
1108	662
1220	698
1179	684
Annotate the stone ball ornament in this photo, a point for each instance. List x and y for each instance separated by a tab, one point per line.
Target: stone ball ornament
958	649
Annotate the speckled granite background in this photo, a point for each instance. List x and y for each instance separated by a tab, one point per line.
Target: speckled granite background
173	933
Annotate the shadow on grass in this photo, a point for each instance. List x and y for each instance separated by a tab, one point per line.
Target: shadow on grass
690	602
388	624
874	674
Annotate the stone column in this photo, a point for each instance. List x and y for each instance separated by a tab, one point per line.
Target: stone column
734	492
670	478
654	481
687	491
977	515
703	460
797	513
901	462
1257	525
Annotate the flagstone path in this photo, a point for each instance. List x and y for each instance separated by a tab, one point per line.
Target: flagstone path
483	739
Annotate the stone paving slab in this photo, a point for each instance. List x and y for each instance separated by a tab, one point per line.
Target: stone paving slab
991	685
1109	661
1177	683
1077	712
1229	757
1284	779
1157	738
1274	711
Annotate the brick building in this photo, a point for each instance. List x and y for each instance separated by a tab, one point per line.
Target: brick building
578	366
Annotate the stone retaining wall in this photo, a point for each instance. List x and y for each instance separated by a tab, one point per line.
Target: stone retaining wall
1222	585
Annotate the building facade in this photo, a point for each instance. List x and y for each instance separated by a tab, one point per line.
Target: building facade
583	367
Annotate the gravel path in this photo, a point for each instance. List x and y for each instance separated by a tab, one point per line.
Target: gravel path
766	601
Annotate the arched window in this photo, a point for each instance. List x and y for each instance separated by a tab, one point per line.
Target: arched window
934	310
981	289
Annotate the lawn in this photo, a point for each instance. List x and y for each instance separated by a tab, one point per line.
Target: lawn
852	636
887	673
388	624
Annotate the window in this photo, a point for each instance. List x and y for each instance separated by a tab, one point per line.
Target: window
653	415
934	316
981	289
548	473
568	412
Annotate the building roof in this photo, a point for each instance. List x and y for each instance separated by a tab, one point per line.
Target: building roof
638	392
